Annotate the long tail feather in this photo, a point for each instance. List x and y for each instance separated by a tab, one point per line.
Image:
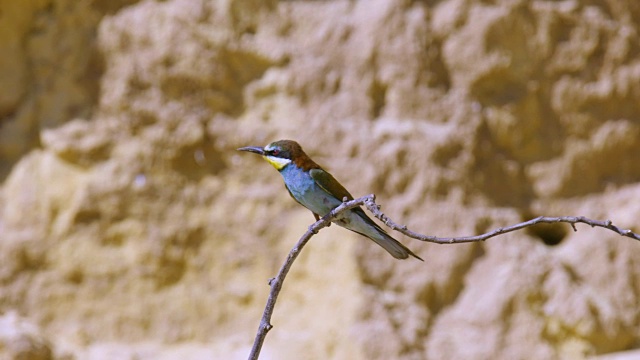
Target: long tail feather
374	232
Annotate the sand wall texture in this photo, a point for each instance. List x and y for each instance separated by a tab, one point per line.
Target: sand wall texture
130	228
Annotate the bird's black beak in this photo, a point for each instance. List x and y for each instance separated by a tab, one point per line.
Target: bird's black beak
254	149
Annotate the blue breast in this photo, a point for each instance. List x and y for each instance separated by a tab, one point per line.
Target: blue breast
306	191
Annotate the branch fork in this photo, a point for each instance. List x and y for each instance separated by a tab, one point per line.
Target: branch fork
369	202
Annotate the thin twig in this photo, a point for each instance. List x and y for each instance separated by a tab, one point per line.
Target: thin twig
276	283
369	202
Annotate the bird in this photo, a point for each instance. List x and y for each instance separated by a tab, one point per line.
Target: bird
317	190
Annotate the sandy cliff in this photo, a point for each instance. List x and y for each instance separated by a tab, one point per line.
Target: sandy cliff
131	228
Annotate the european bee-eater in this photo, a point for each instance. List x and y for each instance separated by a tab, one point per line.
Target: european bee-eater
318	191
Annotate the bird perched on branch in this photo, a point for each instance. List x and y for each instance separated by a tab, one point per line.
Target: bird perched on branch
314	188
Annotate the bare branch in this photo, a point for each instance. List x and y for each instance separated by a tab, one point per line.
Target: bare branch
369	202
276	283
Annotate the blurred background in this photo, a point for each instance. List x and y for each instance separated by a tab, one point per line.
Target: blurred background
130	228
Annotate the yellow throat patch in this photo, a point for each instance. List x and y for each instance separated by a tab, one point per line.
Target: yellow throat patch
277	162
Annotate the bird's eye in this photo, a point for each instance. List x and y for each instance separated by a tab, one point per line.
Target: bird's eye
275	152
